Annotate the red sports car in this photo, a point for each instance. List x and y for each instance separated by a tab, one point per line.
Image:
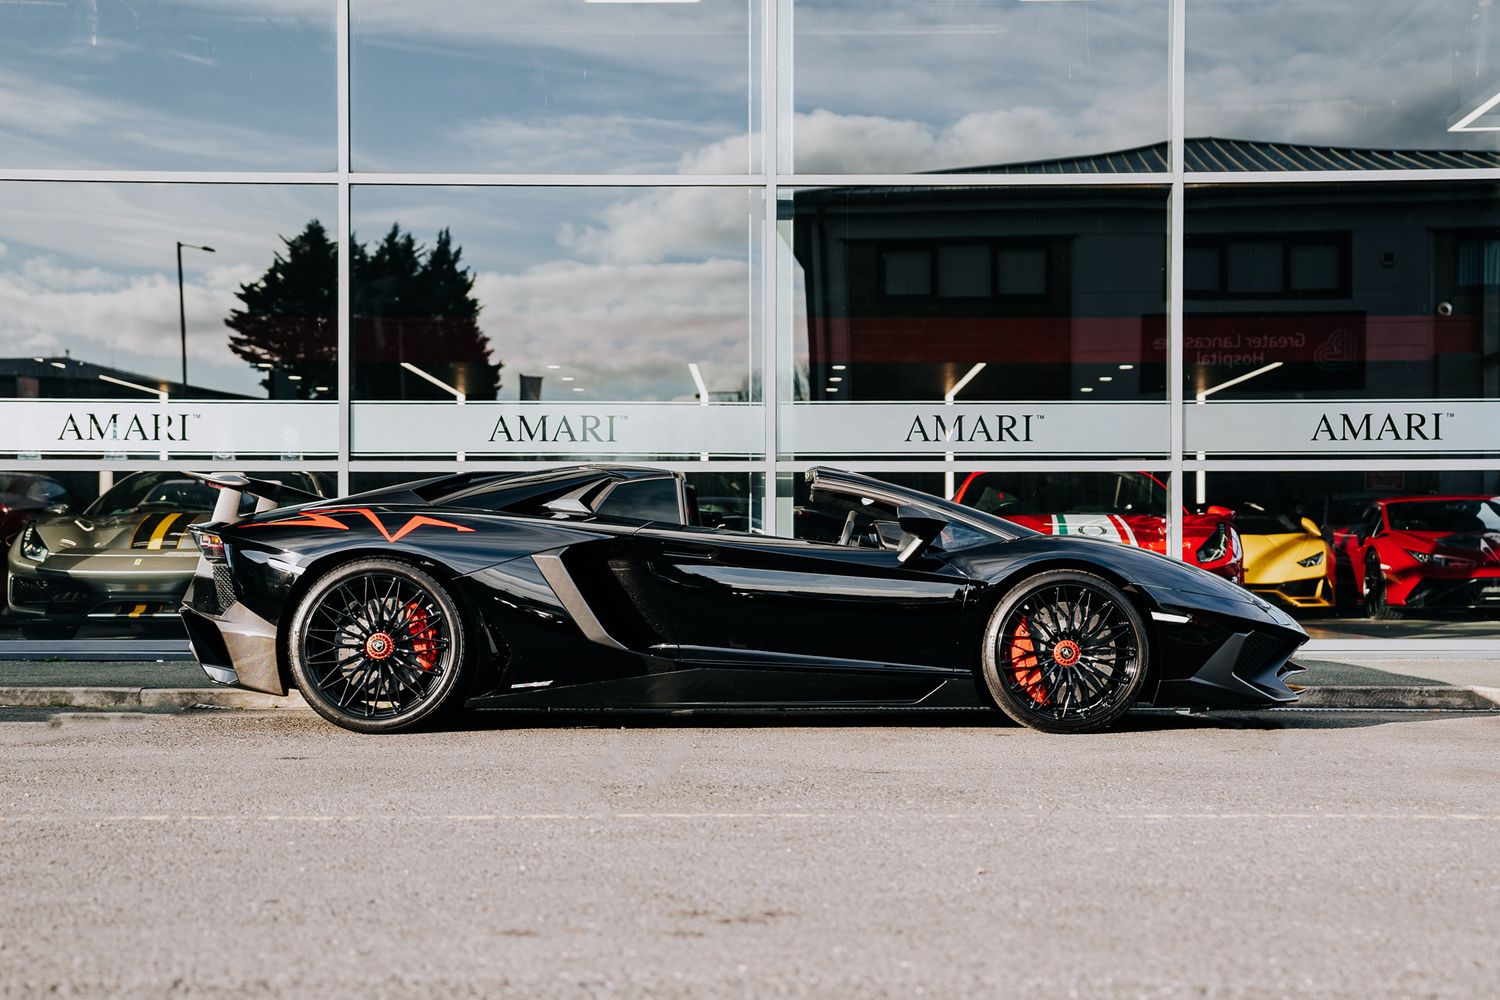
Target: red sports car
1430	552
1126	507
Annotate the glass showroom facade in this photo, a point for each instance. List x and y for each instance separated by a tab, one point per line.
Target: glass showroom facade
1215	277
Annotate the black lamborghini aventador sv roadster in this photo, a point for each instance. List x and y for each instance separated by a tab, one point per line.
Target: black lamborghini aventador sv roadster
602	587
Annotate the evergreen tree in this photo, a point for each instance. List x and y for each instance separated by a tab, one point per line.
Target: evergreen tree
289	321
408	304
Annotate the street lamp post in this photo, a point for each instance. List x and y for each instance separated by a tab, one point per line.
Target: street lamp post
181	305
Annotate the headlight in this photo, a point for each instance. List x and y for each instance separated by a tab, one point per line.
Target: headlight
1312	560
1422	557
1217	546
32	546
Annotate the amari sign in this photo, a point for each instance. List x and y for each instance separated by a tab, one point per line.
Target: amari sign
602	430
990	429
157	430
1401	426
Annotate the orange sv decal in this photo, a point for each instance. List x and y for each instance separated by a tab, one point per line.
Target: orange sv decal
323	519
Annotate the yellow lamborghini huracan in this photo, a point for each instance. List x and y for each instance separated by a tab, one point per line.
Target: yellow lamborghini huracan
1286	560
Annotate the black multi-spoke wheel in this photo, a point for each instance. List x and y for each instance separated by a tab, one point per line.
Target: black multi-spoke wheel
1065	652
1375	593
377	645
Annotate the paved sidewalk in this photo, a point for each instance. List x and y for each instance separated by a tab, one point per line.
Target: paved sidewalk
1449	683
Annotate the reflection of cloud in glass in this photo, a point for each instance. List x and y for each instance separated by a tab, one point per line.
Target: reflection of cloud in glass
538	86
619	289
91	270
1377	73
972	84
153	85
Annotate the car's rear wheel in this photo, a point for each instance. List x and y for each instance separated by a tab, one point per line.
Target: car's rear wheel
378	646
1065	652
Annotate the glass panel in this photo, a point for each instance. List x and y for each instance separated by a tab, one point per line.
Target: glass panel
1076	311
1381	299
1395	554
995	85
94	312
1354	84
535	86
572	297
908	313
96	555
154	84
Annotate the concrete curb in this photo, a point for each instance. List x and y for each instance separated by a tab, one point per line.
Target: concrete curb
134	697
1344	696
1471	698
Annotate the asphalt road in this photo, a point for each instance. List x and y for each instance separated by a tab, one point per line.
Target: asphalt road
236	853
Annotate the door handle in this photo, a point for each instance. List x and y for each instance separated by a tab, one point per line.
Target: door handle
701	555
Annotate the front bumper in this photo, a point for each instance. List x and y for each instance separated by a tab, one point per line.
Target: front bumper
1222	652
1312	592
120	586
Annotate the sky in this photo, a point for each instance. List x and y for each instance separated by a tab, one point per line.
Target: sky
627	285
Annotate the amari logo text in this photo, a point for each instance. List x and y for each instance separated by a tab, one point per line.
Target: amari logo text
126	427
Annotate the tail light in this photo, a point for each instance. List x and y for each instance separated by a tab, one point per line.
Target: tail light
210	544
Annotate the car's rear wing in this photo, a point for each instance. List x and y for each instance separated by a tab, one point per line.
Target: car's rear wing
233	486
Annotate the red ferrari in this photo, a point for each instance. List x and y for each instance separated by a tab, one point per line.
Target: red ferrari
1127	507
1430	552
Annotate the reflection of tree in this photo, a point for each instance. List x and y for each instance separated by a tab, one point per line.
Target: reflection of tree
288	326
416	306
409	304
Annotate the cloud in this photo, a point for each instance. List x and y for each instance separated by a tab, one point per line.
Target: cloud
580	143
624	331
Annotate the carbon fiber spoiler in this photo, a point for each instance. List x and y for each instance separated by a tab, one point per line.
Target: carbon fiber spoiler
232	486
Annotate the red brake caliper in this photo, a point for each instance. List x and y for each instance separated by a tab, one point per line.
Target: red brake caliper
424	636
1024	666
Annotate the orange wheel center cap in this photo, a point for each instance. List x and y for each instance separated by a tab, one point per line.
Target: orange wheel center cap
1066	653
379	646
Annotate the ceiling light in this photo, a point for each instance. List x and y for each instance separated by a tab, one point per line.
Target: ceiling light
569	378
837	368
263	364
832	388
578	388
553	367
320	388
1126	368
39	360
1087	388
958	386
294	378
58	364
835	378
1106	378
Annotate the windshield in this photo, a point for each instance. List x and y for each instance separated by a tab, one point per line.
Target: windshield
1446	515
1007	493
1253	519
148	492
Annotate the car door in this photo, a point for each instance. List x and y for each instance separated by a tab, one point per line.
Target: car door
755	600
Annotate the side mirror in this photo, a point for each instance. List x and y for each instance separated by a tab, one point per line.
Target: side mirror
59	508
1310	527
921	530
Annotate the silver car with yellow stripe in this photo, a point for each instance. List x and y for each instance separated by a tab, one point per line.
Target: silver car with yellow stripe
127	558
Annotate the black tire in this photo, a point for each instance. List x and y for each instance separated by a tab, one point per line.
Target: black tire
378	646
1096	664
1375	596
47	631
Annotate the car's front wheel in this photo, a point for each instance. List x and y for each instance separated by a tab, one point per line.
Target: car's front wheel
1065	652
378	646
